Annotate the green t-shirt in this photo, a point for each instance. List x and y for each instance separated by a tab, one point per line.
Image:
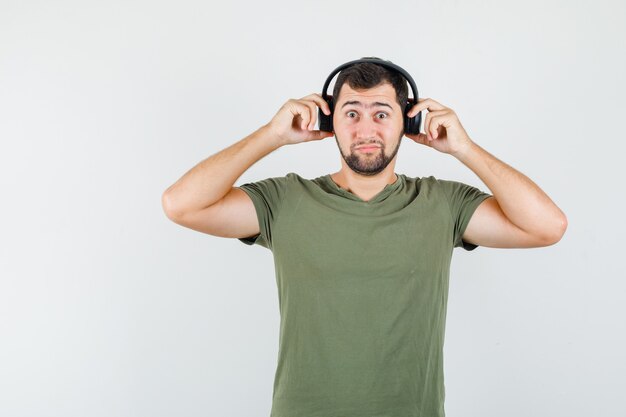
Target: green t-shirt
362	290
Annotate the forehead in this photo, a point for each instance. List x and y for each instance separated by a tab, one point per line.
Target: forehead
382	93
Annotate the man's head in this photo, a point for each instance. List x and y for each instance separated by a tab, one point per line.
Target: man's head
367	75
369	109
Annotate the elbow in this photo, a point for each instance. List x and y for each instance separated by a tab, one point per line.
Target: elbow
168	207
557	232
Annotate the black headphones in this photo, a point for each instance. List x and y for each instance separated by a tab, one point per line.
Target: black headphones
411	124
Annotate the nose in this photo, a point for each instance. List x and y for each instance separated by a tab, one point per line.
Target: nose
365	128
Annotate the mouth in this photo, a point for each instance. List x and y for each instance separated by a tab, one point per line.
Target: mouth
368	148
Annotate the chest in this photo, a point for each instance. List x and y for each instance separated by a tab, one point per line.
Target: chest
326	242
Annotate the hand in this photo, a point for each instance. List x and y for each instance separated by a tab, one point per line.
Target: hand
295	121
443	130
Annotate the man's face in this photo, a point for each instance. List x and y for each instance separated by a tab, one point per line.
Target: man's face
363	117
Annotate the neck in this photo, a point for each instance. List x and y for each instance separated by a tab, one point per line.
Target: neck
364	187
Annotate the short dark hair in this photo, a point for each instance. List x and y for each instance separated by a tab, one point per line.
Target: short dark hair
366	75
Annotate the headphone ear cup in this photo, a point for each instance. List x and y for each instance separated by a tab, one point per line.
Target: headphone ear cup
405	119
326	121
412	124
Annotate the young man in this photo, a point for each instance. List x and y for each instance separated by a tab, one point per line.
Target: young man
362	255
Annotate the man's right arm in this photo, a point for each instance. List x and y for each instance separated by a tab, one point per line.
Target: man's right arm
205	200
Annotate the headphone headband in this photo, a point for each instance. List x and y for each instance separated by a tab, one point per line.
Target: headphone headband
411	124
385	64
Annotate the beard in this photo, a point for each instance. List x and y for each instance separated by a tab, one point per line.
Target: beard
369	163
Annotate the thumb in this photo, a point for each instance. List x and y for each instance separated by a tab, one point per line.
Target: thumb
420	138
319	134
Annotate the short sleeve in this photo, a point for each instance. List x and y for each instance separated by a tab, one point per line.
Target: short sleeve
267	196
463	200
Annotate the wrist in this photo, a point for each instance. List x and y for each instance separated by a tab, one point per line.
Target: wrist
465	150
270	136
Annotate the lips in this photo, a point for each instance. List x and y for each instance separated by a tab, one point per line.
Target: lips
368	148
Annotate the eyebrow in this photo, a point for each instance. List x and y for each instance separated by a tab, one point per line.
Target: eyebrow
358	103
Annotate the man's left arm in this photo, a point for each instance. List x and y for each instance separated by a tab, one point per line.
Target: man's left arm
520	214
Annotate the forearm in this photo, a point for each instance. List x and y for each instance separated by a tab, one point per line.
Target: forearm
521	200
210	180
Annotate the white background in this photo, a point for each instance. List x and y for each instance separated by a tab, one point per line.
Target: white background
107	308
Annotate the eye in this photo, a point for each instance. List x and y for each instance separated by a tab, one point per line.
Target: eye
383	114
348	114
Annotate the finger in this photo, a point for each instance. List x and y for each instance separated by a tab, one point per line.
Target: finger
319	100
428	120
425	104
301	109
435	122
313	113
427	124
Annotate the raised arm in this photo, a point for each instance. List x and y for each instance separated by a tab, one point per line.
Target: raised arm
204	199
520	214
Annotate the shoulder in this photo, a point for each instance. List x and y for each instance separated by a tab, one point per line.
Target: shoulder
424	185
